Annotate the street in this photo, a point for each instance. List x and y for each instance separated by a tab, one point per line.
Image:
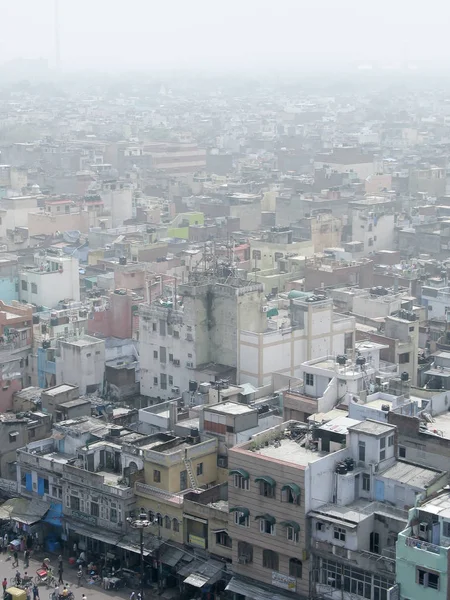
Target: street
93	592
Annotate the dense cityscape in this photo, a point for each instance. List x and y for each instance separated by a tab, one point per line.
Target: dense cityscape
224	333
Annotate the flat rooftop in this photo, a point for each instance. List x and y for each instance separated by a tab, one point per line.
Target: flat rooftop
440	505
339	425
230	408
441	423
373	427
290	451
59	389
410	474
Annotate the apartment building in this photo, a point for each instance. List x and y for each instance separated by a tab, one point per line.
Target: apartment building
373	222
306	328
9	278
179	339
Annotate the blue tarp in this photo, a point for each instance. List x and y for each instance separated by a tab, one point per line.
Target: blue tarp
54	515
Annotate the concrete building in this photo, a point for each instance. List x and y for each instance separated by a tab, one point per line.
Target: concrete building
52	278
323	229
306	329
178	341
9	278
422	559
347	159
117	198
373	222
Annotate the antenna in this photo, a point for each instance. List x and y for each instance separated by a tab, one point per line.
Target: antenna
57	45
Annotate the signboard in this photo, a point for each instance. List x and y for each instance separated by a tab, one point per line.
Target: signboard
76	514
284	581
195	540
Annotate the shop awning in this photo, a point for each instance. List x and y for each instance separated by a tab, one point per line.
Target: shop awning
54	515
254	592
295	526
267	518
240	509
266	479
201	572
295	489
23	510
96	533
171	556
132	548
242	472
196	580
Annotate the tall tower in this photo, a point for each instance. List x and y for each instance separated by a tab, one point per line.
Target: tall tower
57	47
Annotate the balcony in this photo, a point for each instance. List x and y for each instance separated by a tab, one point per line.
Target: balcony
421	545
364	559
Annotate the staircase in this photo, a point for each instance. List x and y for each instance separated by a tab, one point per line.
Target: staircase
192	480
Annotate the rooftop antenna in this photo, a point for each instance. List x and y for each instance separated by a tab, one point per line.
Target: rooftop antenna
57	45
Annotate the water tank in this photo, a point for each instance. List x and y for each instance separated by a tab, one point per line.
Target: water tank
123	260
341	468
385	407
360	361
204	387
341	359
194	432
404	376
192	385
349	463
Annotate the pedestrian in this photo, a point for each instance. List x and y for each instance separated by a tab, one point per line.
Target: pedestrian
55	593
16	559
28	592
35	592
80	575
83	597
26	558
5	540
132	596
60	573
60	561
4	586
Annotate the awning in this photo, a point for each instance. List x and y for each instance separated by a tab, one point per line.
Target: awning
23	510
242	472
266	479
132	548
267	518
240	509
295	526
295	489
171	556
54	515
249	590
196	580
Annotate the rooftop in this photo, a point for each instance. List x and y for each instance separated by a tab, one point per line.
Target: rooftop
231	408
290	451
339	425
410	474
60	389
373	427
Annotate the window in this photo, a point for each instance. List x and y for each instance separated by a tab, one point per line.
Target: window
382	448
155	353
241	482
88	355
199	469
241	518
390	440
366	482
266	489
370	242
162	327
94	509
402	452
403	358
446	528
163	380
352	580
339	534
309	379
113	515
290	495
170	357
153	326
155	381
223	539
13	436
24	285
162	354
33	288
362	451
189	328
159	519
175	525
156	476
170	380
295	568
270	560
167	522
427	578
74	503
46	487
151	516
319	526
176	334
266	526
291	534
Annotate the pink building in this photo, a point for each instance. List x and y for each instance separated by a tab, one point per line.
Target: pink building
121	320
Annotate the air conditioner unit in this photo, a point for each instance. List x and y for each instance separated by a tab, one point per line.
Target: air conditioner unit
189	337
265	309
190	365
222	462
423	529
176	389
385	385
176	362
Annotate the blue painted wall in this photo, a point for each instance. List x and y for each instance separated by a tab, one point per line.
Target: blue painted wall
8	289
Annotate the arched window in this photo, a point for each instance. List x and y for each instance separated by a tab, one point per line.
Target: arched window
270	560
295	568
151	516
175	525
133	467
159	519
167	522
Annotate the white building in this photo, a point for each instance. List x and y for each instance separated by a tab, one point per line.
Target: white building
308	329
52	278
81	362
117	198
373	222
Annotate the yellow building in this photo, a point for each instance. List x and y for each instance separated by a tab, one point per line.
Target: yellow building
173	466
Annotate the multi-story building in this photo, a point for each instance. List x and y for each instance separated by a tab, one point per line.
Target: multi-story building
51	279
373	222
9	278
423	551
178	339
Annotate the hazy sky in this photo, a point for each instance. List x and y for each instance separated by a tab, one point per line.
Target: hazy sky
225	33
